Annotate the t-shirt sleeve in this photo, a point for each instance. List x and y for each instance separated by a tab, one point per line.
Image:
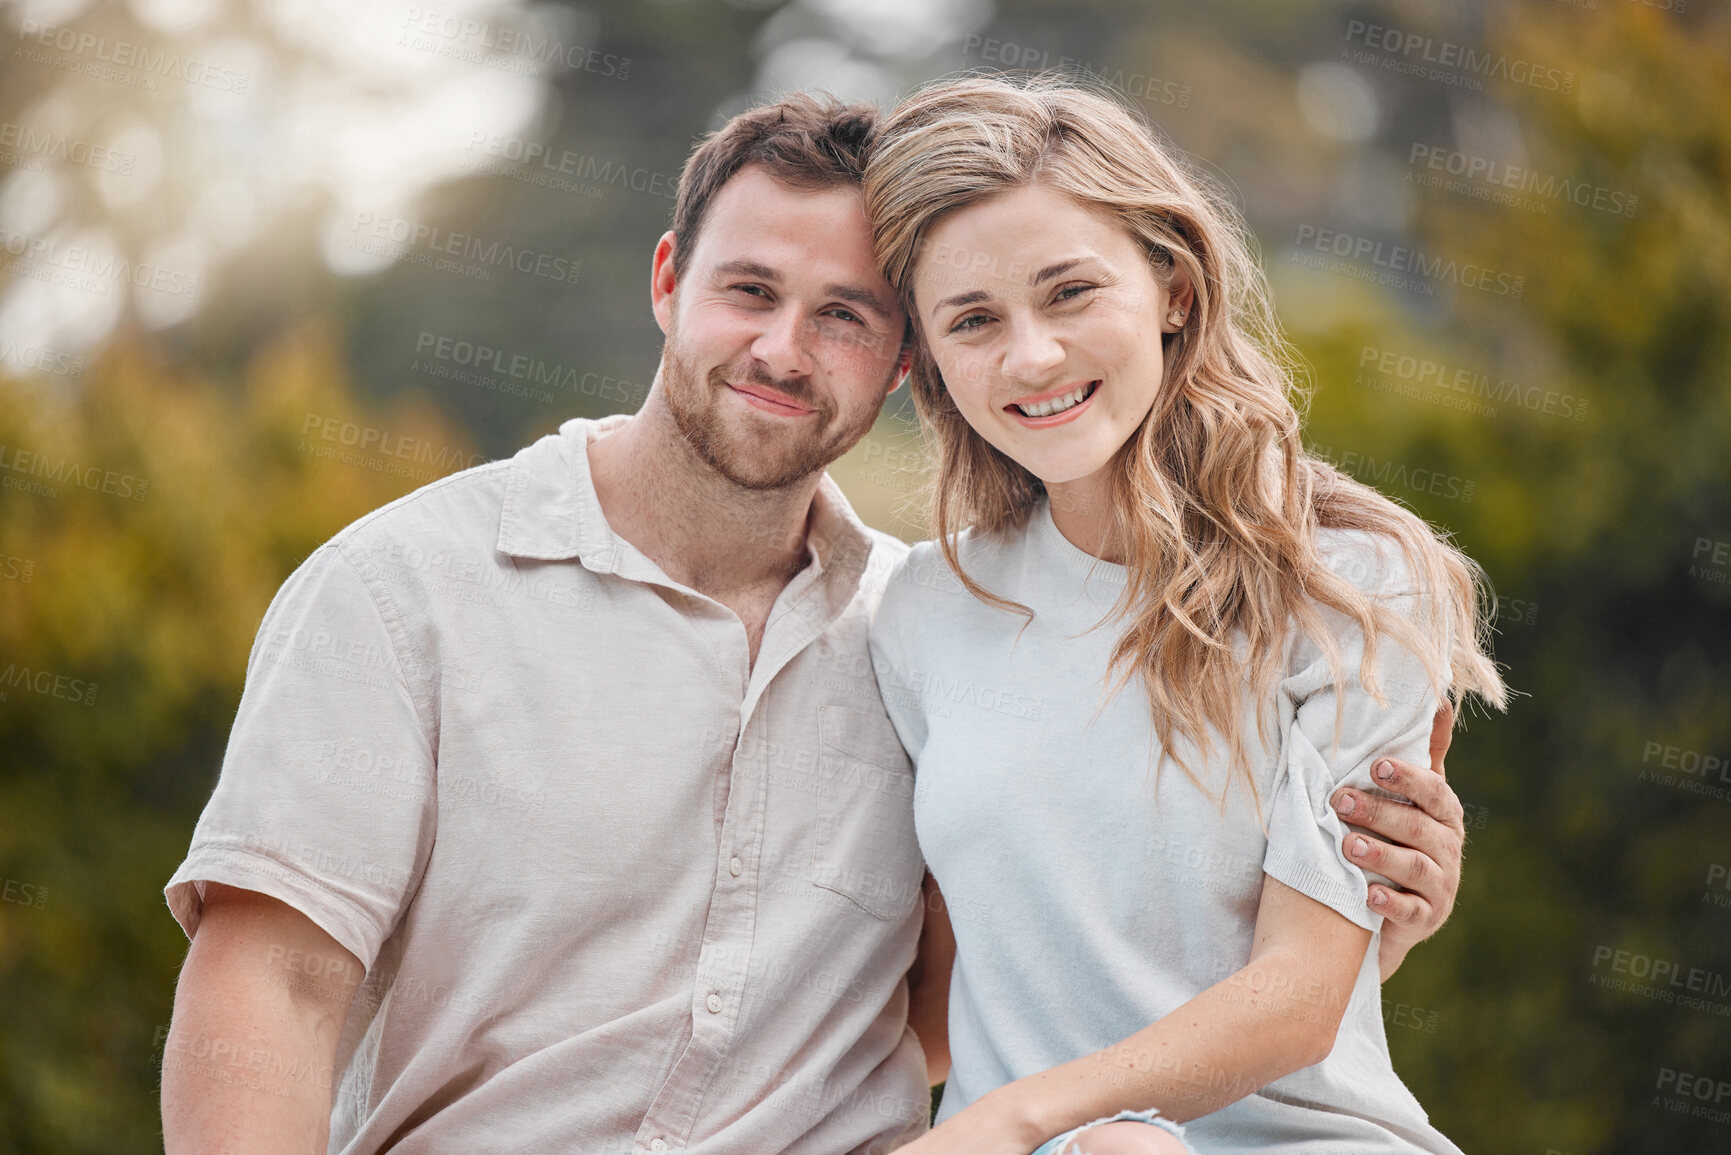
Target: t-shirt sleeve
326	797
1331	739
889	641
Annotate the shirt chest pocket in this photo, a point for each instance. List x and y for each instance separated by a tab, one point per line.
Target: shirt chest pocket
866	850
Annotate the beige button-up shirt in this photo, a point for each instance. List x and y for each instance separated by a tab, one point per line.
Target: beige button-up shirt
616	889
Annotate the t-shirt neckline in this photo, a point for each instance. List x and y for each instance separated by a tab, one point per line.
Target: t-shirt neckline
1051	540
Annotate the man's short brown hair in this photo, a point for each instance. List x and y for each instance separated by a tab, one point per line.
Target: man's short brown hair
799	139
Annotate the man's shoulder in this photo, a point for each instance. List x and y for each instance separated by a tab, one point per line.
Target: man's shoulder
458	511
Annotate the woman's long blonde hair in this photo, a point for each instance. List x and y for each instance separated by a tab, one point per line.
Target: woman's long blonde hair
1215	499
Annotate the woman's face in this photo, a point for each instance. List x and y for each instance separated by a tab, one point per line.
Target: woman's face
1045	319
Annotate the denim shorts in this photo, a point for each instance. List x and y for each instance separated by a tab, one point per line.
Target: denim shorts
1050	1146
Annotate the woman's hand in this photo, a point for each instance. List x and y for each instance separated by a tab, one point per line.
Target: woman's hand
984	1127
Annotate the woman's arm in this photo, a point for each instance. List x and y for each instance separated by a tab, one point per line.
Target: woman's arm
1276	1015
929	983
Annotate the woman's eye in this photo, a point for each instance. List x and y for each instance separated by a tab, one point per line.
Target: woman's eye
966	324
1071	292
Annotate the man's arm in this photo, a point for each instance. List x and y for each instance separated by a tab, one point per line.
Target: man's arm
1419	848
258	1012
929	983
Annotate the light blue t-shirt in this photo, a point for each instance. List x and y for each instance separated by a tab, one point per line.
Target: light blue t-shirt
1089	896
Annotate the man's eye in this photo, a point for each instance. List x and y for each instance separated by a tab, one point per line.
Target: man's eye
756	290
846	316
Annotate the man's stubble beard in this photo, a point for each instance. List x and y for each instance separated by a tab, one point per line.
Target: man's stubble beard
727	447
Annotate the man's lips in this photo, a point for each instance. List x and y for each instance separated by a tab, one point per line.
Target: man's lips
771	401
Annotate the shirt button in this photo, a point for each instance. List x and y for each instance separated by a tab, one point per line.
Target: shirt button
735	867
714	1004
658	1144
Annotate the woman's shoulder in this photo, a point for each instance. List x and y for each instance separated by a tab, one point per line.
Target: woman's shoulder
923	572
922	591
1374	563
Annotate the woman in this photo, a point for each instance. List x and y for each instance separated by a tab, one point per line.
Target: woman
1150	640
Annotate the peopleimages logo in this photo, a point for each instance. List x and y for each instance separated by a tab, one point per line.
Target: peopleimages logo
1446	61
566	170
84	267
1487	179
419	243
90	53
21	143
1398	259
1460	387
500	46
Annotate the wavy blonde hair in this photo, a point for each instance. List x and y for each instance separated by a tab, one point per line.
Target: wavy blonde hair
1214	498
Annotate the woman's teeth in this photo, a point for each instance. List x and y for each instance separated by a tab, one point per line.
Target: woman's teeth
1058	404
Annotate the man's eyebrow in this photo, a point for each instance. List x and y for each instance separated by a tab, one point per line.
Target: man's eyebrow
853	294
741	267
974	296
864	298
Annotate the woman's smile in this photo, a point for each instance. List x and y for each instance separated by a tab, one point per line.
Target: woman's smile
1053	407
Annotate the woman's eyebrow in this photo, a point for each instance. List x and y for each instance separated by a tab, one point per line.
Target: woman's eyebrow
974	296
1055	270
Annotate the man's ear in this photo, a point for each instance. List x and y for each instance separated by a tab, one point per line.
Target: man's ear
661	280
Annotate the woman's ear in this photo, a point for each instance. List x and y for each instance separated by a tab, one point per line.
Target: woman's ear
1180	299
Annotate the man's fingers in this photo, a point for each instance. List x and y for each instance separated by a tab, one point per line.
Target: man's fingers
1429	792
1442	732
1412	869
1408	911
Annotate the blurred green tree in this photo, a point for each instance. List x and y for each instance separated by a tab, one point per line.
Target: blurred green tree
143	530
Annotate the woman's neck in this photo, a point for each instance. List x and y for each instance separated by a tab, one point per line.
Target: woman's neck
1082	511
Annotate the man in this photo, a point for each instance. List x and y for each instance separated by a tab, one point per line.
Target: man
561	812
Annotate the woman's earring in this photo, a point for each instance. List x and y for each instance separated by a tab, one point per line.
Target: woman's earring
1175	317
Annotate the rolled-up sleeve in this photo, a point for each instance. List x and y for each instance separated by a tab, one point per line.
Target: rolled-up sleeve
326	799
1332	736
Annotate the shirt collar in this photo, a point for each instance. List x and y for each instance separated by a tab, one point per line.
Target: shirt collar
551	512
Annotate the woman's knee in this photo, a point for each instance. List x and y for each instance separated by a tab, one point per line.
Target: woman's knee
1125	1139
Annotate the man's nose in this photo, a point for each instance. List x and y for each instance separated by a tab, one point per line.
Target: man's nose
782	345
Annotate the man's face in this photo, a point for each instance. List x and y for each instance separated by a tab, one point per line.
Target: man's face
783	339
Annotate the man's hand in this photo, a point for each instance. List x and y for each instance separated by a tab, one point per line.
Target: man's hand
1419	848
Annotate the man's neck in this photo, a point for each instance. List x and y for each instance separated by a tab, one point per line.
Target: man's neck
701	529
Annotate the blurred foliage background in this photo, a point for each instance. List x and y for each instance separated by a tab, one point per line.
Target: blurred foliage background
253	288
